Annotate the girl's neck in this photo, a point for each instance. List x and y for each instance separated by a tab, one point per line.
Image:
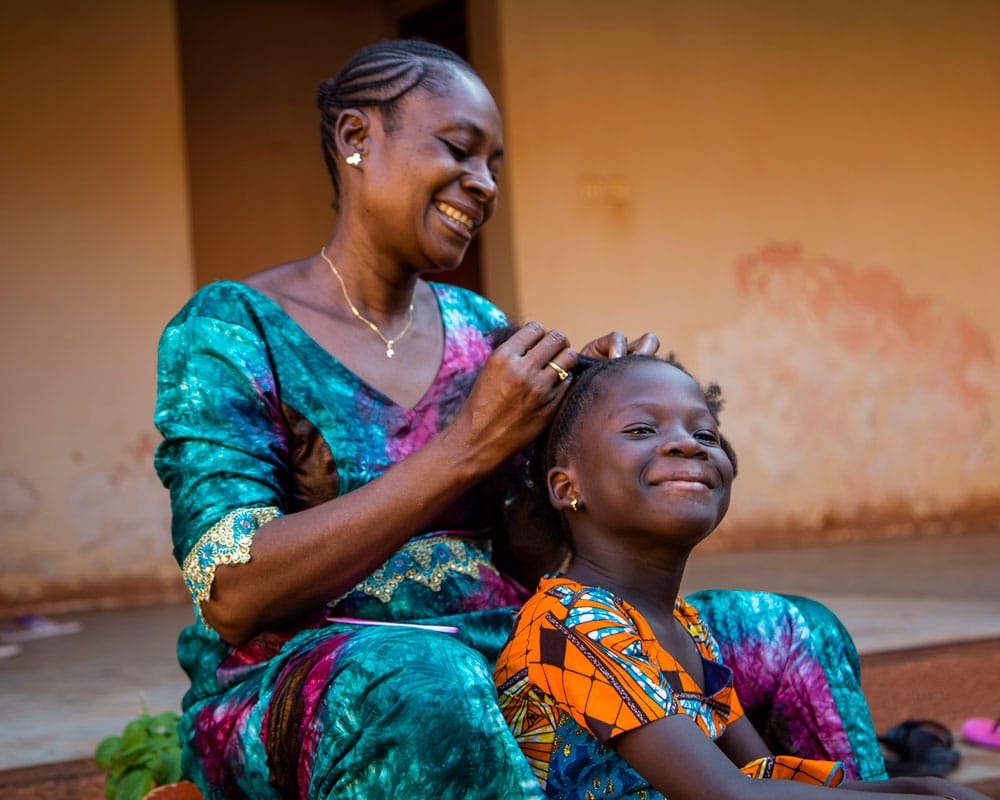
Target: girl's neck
650	585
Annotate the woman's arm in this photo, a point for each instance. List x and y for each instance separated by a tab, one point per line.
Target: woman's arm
680	761
302	560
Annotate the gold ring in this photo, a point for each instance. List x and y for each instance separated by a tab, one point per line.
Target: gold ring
563	374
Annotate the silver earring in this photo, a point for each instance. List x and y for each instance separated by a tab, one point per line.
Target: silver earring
354	159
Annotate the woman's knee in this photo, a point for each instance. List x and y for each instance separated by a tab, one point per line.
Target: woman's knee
414	672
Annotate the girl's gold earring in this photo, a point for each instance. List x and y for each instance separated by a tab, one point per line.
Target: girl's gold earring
575	504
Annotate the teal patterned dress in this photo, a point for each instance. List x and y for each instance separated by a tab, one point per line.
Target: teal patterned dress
259	421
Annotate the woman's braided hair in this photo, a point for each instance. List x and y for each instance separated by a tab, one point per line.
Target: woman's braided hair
379	76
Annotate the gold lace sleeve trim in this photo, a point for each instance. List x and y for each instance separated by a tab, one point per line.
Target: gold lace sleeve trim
226	542
428	562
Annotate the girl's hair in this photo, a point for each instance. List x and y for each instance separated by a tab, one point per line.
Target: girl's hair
535	538
379	76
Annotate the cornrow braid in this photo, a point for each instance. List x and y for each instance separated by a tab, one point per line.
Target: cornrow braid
379	76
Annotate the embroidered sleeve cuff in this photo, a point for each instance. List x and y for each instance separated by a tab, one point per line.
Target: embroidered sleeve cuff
226	542
792	768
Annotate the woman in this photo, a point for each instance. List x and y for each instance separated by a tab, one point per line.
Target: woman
329	426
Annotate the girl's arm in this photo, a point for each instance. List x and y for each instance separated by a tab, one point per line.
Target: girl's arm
741	743
676	757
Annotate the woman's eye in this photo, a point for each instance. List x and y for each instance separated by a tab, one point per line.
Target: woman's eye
457	152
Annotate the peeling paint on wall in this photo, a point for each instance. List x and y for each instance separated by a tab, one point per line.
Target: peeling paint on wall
850	397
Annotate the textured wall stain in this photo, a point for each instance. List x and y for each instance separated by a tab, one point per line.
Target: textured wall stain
850	394
110	524
18	499
121	514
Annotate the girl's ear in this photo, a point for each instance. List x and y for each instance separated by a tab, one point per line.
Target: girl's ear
562	488
351	131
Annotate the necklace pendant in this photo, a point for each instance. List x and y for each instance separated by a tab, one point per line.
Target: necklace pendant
389	352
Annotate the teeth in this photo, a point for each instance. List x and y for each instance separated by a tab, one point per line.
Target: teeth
455	214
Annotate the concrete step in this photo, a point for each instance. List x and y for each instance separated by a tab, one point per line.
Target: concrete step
947	683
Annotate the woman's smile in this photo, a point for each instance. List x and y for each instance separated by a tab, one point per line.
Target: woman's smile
455	215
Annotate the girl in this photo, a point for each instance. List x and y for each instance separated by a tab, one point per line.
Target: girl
612	684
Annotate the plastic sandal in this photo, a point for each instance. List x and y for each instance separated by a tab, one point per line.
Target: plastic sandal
29	627
982	731
919	747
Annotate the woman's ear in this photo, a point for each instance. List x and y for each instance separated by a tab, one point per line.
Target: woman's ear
351	131
563	492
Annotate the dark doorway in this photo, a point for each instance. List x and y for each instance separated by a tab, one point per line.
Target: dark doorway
444	23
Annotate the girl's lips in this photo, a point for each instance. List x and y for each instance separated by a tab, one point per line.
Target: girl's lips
679	480
682	485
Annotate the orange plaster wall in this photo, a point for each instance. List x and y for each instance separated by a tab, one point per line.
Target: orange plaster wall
801	200
95	259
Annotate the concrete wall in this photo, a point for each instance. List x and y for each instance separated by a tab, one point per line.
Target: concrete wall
94	260
801	200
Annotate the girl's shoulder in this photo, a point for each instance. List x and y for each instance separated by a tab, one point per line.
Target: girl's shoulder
576	598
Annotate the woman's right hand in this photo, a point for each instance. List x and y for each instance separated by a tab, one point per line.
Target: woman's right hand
514	397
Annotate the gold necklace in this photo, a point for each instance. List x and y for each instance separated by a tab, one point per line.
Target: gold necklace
389	351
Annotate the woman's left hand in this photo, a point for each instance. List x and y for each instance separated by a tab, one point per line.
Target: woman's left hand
616	345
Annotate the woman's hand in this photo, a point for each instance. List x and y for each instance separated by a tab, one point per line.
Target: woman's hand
616	345
514	396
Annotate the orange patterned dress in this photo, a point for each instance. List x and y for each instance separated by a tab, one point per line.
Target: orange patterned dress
583	666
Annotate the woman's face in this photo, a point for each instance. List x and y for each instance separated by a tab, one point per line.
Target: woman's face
649	458
431	177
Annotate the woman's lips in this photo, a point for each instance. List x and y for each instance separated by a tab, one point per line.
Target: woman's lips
455	215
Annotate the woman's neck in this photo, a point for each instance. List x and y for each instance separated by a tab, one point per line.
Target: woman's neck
376	283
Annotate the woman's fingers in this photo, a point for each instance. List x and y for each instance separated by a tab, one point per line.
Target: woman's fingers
616	345
611	345
538	346
647	344
522	382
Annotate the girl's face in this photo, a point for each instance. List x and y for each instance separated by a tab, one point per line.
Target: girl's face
648	457
431	180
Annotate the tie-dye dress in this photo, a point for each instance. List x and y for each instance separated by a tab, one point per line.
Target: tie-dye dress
259	421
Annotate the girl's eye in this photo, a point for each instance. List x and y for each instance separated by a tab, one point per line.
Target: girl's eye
709	437
640	429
